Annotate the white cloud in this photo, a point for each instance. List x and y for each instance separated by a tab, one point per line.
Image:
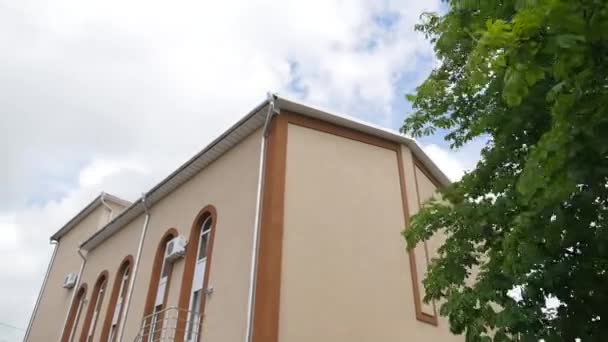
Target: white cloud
455	163
113	95
9	231
95	173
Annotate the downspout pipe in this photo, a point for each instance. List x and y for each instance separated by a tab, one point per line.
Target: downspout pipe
102	199
42	288
75	289
135	272
272	111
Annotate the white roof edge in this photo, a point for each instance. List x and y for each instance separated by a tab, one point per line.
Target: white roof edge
184	172
248	123
94	204
117	200
364	127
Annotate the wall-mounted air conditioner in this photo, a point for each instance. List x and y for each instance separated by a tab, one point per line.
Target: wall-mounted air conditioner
176	248
70	280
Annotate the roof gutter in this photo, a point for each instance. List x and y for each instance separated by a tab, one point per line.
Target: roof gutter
102	199
140	248
175	179
272	112
255	116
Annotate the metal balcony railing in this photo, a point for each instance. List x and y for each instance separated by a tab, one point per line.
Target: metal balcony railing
162	326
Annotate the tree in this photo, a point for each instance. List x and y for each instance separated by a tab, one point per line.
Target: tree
531	79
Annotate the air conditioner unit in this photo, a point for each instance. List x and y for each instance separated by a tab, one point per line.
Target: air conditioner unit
70	280
176	248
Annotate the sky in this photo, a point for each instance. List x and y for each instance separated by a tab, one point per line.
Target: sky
113	95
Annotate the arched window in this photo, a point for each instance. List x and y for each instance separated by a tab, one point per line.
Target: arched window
90	322
117	301
196	273
158	290
74	314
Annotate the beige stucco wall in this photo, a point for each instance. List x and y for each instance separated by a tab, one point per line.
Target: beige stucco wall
108	215
108	257
55	300
345	272
229	184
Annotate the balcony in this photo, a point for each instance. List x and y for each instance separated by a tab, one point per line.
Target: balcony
163	326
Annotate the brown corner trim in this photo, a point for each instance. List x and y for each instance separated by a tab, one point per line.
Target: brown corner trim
268	277
124	264
189	266
69	325
102	280
420	315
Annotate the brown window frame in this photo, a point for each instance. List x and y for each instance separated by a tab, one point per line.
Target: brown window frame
102	281
189	266
74	314
155	277
126	264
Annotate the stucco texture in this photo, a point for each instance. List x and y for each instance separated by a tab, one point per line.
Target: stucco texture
345	272
230	185
55	300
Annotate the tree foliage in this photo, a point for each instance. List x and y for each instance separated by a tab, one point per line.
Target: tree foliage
531	79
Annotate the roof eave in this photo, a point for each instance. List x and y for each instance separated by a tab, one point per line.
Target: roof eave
88	209
180	175
349	122
189	168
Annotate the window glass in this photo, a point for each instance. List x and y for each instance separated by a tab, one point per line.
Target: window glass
119	304
194	315
125	283
78	313
98	302
155	325
165	267
204	239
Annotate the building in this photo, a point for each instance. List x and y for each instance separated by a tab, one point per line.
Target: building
285	228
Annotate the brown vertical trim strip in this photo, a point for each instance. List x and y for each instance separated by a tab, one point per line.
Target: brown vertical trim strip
420	315
189	266
268	277
125	263
102	281
155	276
72	319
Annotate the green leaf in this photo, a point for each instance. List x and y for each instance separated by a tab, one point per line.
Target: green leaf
568	41
527	80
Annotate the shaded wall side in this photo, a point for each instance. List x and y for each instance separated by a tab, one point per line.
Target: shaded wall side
424	311
427	189
421	188
55	301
